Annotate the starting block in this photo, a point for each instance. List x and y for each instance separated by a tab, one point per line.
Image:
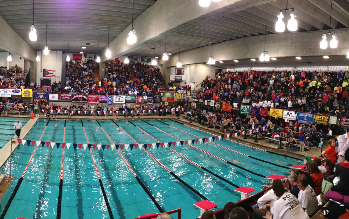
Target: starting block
152	215
298	166
245	192
274	176
205	205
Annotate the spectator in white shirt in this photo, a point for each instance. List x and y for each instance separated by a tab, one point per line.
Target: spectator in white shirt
306	197
287	205
343	145
290	105
329	134
18	127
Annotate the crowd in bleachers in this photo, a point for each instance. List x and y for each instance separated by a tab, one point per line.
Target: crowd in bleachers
9	81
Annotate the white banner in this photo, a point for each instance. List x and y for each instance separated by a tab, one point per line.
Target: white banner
212	103
5	93
332	120
119	99
53	96
16	92
290	115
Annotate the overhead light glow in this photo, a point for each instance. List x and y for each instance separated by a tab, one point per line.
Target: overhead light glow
83	47
348	55
298	57
280	24
292	24
211	61
334	41
323	43
46	51
235	60
108	53
68	58
253	60
32	34
264	57
156	57
179	65
9	58
81	52
98	59
164	56
221	62
326	57
204	3
38	58
126	61
154	62
273	59
132	38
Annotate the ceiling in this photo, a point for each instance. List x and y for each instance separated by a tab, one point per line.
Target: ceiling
77	22
229	24
73	22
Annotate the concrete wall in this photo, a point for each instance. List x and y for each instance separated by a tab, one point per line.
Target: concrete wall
53	61
3	59
15	60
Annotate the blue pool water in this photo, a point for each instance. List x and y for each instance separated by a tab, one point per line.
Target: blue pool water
7	129
37	196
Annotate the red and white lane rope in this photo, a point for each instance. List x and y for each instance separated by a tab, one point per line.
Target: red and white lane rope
93	159
62	163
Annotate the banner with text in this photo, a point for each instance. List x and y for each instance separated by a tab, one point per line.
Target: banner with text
41	96
276	113
79	99
321	119
245	109
289	115
305	118
119	99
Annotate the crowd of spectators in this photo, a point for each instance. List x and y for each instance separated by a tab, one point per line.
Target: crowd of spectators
9	78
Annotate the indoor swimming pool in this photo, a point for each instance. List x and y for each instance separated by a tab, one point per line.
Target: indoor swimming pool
130	177
7	129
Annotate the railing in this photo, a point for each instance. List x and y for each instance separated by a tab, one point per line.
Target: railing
154	215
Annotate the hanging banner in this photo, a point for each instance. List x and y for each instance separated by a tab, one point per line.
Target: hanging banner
150	100
79	99
305	118
212	103
27	93
139	99
170	99
289	115
110	99
157	99
332	120
103	98
264	112
130	99
119	99
53	97
41	96
48	73
226	106
255	111
168	94
179	96
321	119
184	96
345	121
245	109
5	93
218	105
66	96
93	98
276	113
16	92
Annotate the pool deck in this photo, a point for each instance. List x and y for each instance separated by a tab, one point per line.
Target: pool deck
5	181
5	152
262	143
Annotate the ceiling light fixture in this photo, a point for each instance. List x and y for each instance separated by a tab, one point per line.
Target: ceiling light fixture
46	50
132	38
38	58
326	57
32	34
81	52
83	47
323	43
179	64
9	57
108	52
126	61
292	24
264	57
211	60
67	59
298	57
253	60
98	59
204	3
165	55
348	55
334	41
220	62
153	61
273	59
235	60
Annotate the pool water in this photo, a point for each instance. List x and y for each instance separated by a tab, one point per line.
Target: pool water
37	196
7	129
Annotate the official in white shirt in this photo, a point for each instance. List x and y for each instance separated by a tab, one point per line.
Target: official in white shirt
306	197
18	127
343	145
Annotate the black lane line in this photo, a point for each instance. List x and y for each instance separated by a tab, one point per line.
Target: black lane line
77	178
207	170
274	164
100	181
257	174
116	199
271	152
41	198
184	183
60	191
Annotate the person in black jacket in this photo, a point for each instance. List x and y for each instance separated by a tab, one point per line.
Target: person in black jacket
342	171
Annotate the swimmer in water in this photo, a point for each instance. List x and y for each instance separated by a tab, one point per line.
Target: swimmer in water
56	125
118	129
235	161
112	124
144	135
97	128
127	122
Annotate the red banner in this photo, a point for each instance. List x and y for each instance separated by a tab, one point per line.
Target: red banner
264	112
46	87
66	96
93	98
170	99
139	99
77	56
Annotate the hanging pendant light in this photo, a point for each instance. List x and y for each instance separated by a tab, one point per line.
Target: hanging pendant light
132	38
32	34
348	55
108	52
334	41
165	55
98	59
211	60
204	3
292	24
280	24
46	50
179	64
264	57
126	61
153	61
323	43
38	58
261	57
9	57
67	59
